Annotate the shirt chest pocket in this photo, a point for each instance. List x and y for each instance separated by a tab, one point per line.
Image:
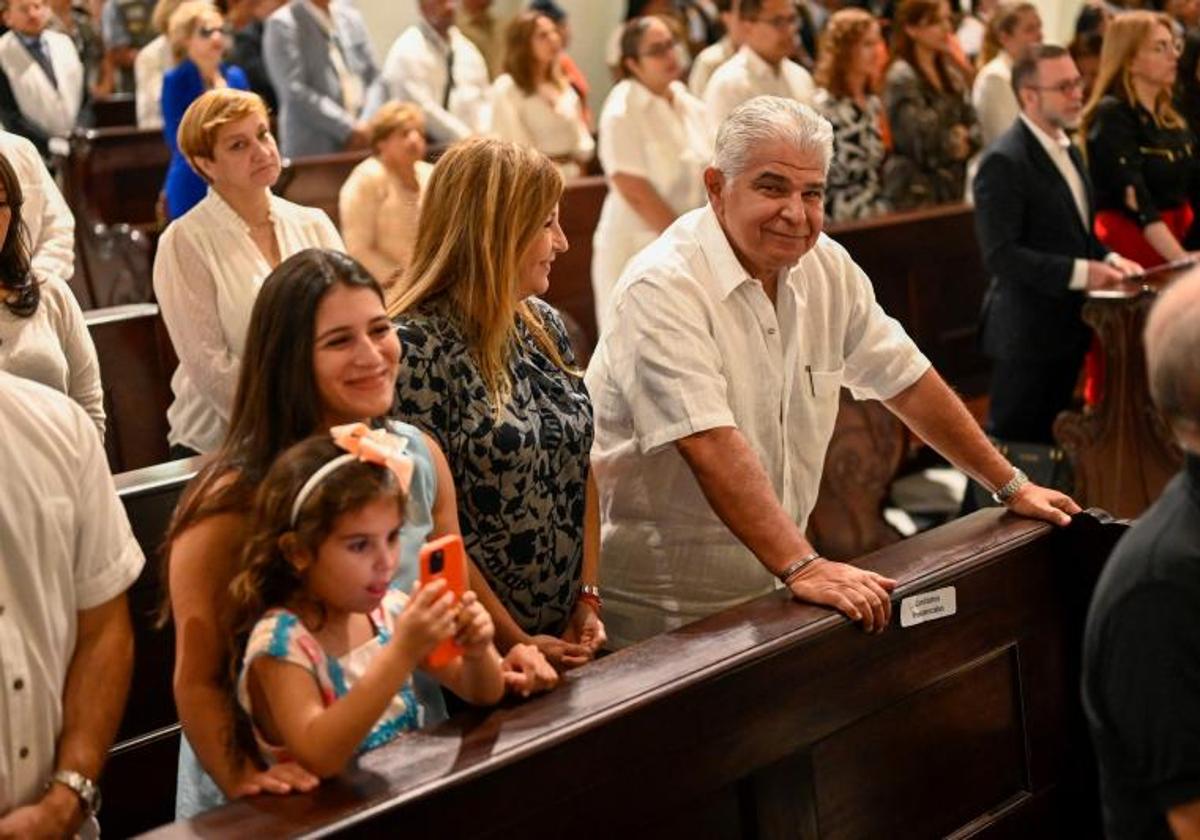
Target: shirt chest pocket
818	396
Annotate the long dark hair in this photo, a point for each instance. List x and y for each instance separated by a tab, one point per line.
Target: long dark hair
918	13
22	290
277	402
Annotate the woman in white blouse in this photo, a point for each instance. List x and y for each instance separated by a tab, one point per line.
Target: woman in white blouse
152	63
381	200
43	336
212	260
655	141
1012	28
532	103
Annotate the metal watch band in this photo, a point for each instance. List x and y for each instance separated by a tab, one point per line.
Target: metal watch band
83	787
1005	493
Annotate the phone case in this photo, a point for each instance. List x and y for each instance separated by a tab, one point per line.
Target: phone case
450	566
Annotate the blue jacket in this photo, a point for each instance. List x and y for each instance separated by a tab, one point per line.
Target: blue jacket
181	87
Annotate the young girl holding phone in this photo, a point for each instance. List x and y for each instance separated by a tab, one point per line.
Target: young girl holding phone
332	646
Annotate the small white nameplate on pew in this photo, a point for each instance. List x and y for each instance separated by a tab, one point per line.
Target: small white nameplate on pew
928	606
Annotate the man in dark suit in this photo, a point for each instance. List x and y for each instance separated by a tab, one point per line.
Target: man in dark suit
1033	214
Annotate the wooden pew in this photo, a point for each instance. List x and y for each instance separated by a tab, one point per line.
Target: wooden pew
118	110
928	274
136	363
114	175
773	720
316	181
571	274
138	784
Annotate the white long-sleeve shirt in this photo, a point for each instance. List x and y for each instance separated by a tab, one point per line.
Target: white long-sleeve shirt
45	214
207	274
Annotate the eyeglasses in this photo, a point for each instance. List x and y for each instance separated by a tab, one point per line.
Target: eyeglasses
780	22
209	31
1065	87
659	50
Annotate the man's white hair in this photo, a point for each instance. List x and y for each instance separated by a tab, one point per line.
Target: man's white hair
767	119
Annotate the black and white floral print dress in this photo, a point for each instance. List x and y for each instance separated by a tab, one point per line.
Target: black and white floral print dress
520	479
854	187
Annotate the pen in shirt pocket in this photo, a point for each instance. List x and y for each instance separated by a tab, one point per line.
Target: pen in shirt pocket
811	385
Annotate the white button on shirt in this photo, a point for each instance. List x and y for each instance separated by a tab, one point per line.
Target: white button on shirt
695	344
1057	150
65	546
748	75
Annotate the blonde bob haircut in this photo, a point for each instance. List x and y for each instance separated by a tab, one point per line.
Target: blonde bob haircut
184	21
391	117
161	16
486	202
197	136
1125	35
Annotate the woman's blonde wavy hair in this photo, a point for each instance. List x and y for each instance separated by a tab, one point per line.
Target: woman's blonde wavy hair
486	202
1004	20
1122	39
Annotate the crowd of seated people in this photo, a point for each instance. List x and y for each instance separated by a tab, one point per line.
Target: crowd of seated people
417	332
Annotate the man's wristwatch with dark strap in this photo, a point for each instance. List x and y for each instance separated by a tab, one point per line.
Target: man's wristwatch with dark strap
83	787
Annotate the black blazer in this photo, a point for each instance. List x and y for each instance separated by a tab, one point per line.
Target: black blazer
1030	233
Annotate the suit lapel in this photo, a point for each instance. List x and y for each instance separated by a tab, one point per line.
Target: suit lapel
1041	161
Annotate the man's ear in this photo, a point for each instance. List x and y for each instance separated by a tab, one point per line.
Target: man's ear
714	183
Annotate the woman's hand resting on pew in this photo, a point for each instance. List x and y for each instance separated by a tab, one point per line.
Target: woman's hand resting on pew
285	777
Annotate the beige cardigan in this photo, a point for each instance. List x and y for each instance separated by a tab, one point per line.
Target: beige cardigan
379	217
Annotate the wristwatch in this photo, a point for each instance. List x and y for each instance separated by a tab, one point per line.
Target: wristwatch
1004	494
83	787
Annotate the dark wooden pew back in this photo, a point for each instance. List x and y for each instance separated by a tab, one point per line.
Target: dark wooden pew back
316	181
118	110
114	175
139	781
571	274
136	363
772	720
928	274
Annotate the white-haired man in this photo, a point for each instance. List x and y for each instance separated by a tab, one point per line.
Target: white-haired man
1141	646
716	387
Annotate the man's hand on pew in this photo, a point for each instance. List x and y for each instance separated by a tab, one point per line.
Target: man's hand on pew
526	671
860	594
1038	502
283	778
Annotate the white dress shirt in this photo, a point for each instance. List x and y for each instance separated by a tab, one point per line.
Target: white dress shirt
53	346
46	215
415	71
1057	149
152	63
992	95
707	62
550	120
207	273
54	108
694	343
65	546
746	76
669	143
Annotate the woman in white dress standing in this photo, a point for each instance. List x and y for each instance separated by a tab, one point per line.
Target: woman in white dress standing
655	141
212	260
532	102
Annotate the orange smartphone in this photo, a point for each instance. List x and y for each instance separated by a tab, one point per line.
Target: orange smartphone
445	558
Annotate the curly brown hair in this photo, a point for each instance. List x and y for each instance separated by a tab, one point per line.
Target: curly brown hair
842	35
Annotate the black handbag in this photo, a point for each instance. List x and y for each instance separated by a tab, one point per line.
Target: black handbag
1045	464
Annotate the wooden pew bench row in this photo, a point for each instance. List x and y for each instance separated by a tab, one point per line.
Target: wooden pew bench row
772	720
